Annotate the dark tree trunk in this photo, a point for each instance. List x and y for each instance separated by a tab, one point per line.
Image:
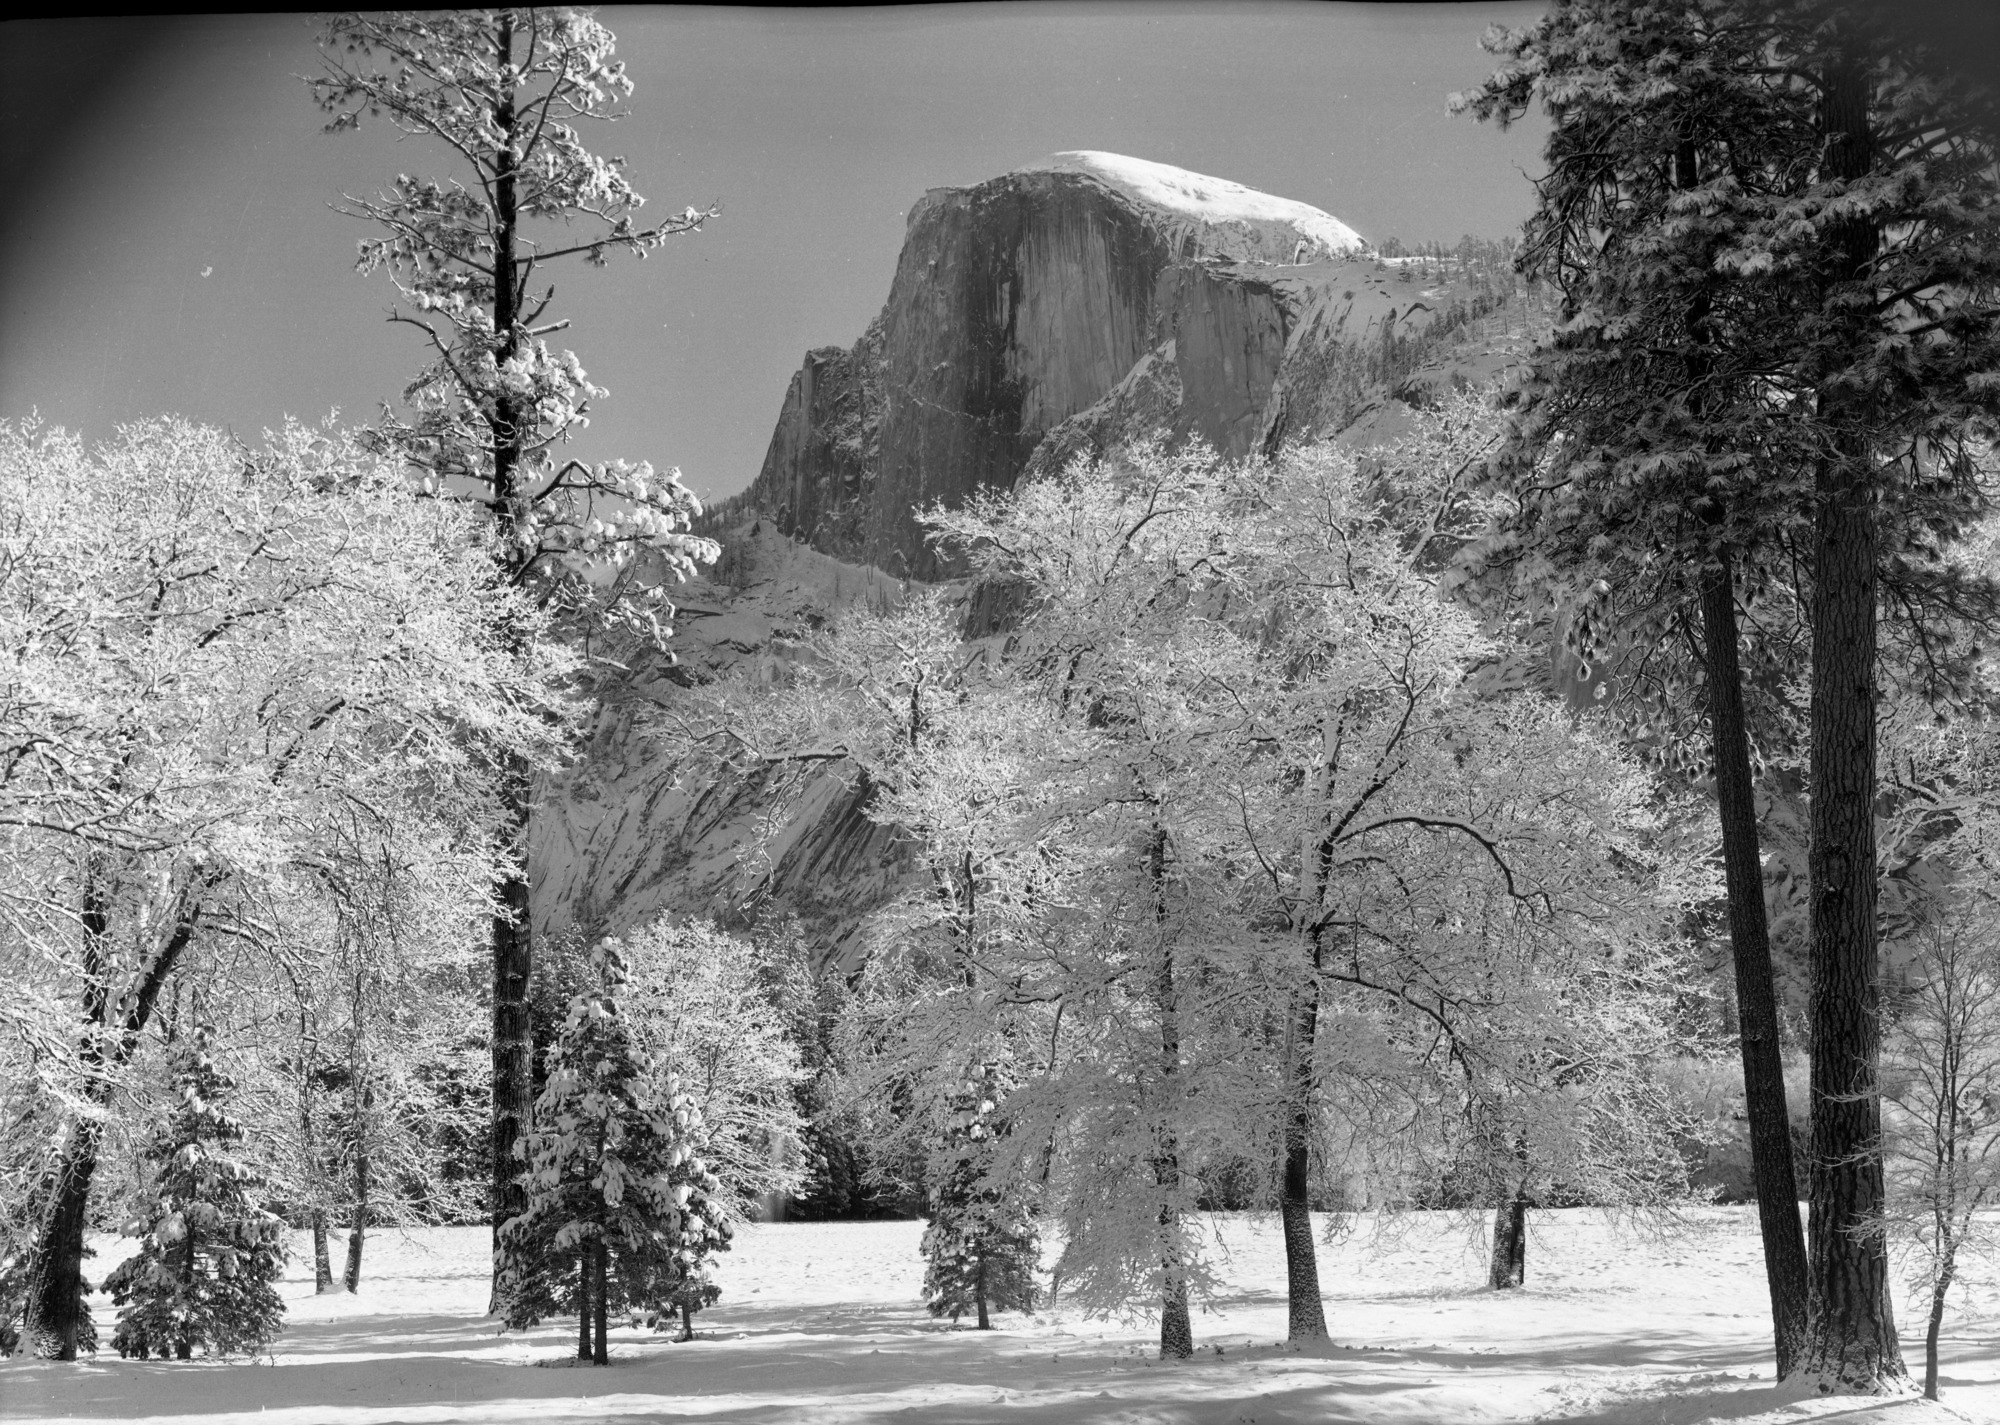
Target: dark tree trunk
979	1293
357	1235
55	1306
687	1323
1756	993
584	1262
56	1287
513	1045
1176	1330
600	1258
1305	1314
1509	1267
361	1097
322	1261
1851	1331
1939	1288
513	948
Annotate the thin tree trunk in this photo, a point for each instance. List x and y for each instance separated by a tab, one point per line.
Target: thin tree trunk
1939	1288
583	1265
362	1098
1176	1330
1305	1313
600	1259
1756	994
322	1261
687	1322
513	1046
1851	1340
979	1293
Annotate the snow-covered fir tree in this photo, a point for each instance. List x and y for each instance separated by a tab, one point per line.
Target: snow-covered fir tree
205	1274
614	1169
981	1247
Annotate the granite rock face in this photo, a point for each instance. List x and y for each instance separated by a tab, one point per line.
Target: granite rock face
1042	314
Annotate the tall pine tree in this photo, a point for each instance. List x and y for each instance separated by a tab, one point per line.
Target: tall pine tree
502	91
1774	231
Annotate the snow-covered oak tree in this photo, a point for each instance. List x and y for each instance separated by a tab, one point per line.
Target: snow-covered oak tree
1360	829
216	657
502	93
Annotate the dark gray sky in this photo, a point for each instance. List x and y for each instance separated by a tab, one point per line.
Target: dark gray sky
139	155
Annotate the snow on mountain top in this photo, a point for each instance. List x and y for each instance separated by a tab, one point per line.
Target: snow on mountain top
1213	200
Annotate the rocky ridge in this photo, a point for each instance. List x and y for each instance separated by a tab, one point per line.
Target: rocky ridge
1056	309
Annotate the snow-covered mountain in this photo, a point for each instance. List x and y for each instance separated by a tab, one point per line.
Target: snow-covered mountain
1272	228
1064	306
1051	312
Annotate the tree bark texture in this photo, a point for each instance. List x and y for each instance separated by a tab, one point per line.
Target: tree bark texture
513	949
583	1266
600	1258
322	1259
1756	993
1509	1266
56	1313
1939	1289
1176	1330
1851	1340
513	1043
979	1293
1305	1314
56	1286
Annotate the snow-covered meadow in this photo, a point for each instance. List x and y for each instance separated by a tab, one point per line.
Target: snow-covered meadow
823	1322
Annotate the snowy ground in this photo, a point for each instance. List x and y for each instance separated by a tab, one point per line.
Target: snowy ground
823	1323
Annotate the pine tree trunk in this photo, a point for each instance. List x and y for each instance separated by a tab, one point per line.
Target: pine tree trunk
513	948
600	1260
584	1261
55	1280
1305	1314
513	1046
687	1322
979	1293
1756	994
1509	1267
1850	1330
322	1263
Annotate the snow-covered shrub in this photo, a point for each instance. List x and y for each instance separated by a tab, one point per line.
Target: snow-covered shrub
205	1273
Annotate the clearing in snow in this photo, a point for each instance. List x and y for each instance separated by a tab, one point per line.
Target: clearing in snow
823	1323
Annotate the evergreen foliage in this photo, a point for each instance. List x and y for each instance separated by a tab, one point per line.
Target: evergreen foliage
619	1198
206	1271
982	1247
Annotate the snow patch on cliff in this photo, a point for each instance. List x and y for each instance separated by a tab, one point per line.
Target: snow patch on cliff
1210	200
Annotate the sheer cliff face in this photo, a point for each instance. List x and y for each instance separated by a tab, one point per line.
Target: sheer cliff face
1018	307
